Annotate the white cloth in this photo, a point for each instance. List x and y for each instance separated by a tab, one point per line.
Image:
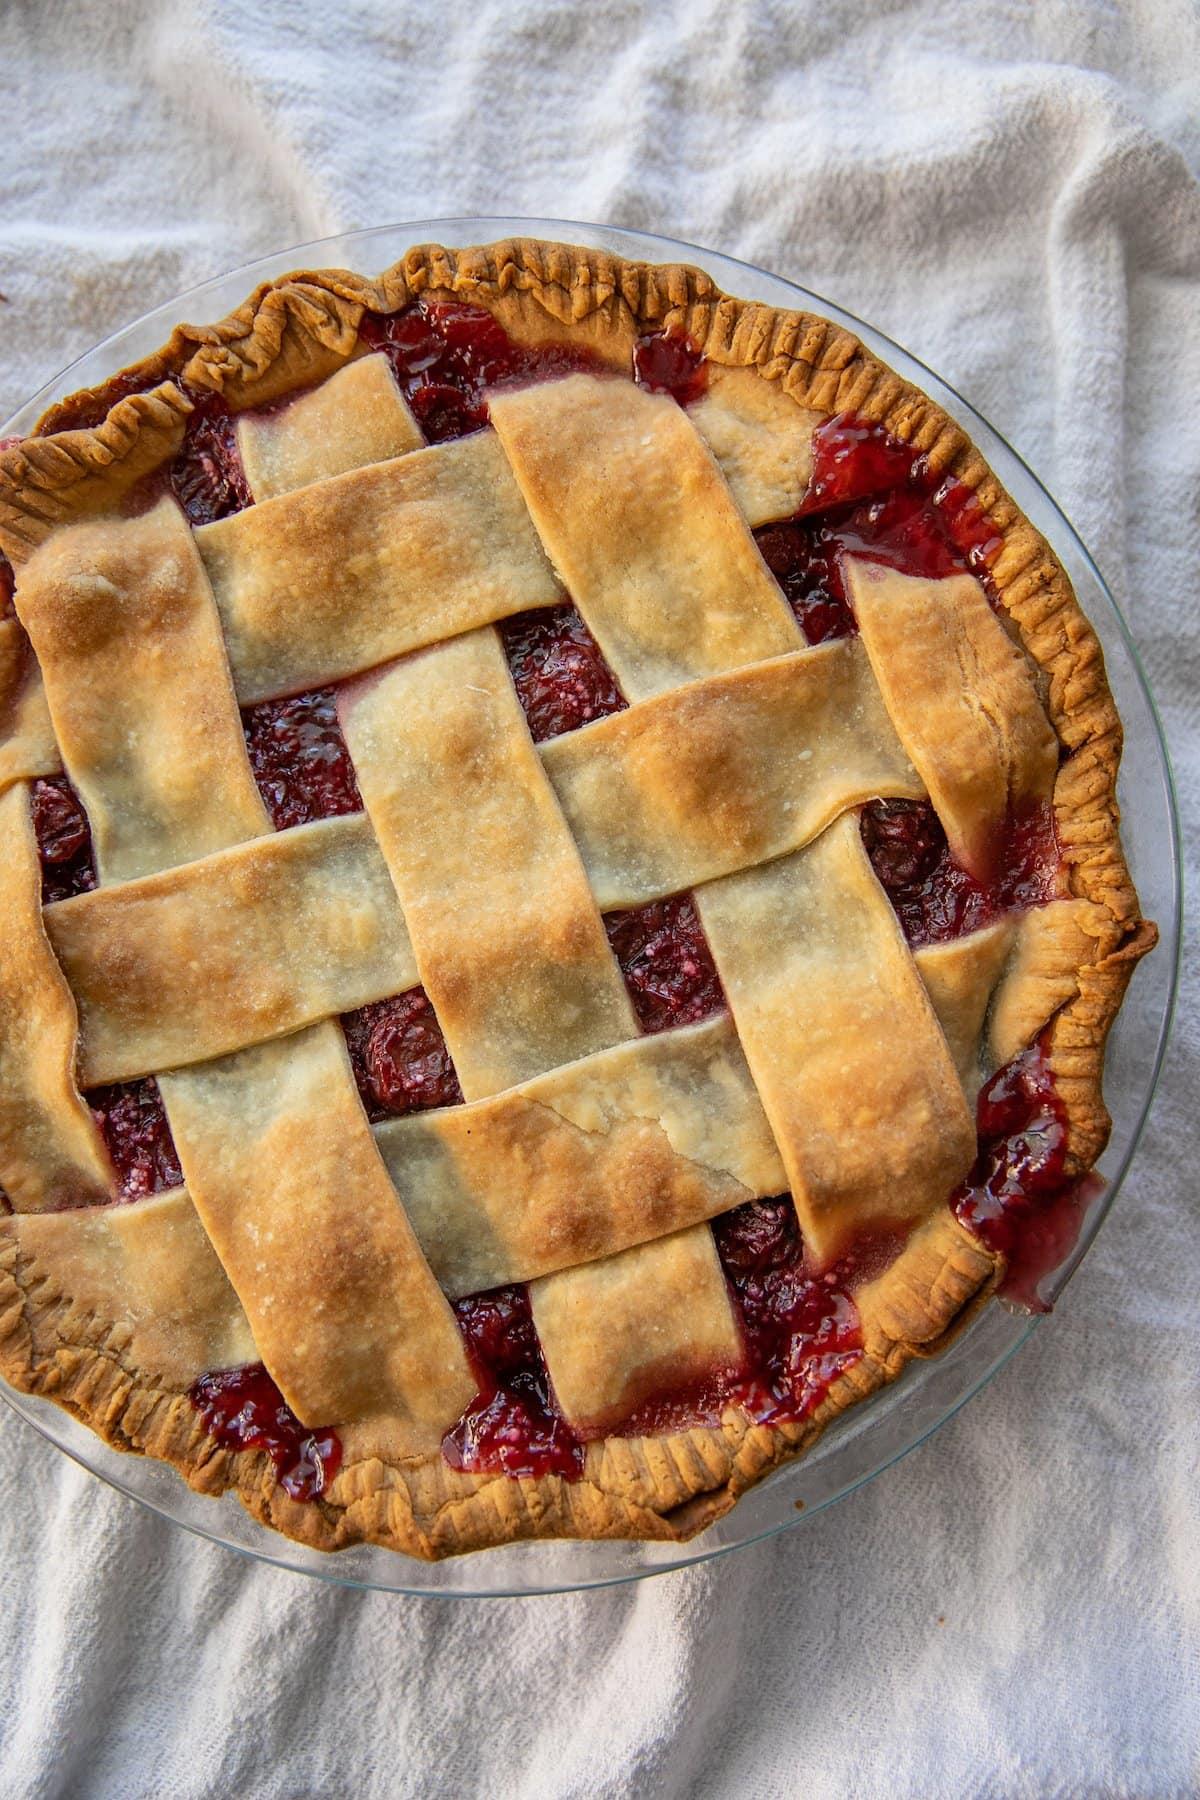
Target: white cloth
1011	191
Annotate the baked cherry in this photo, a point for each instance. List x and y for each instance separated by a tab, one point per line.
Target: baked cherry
806	562
1018	1197
935	898
801	1327
513	1425
560	675
300	760
446	354
244	1410
399	1056
64	839
207	476
133	1124
668	362
871	495
667	964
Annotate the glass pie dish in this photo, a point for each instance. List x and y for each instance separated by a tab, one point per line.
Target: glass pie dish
904	1413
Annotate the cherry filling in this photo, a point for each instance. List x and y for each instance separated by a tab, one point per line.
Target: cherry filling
445	354
244	1410
8	584
667	964
207	475
870	494
560	675
667	362
133	1124
513	1425
934	897
64	840
399	1056
300	760
805	560
801	1328
1018	1197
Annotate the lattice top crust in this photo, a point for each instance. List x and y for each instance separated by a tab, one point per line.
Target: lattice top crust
620	1172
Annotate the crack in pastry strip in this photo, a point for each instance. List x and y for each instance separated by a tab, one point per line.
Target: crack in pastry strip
727	772
584	1161
358	416
250	943
122	619
51	1153
609	473
505	930
373	563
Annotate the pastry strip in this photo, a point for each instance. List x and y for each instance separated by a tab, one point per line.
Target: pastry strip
358	416
760	437
250	943
123	623
823	991
28	746
1053	943
639	523
151	1269
507	938
726	772
960	977
51	1152
279	1161
963	698
627	1145
373	563
616	1332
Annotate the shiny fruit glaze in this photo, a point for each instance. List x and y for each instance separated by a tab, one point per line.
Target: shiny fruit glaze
244	1410
560	675
445	354
133	1124
667	965
399	1056
512	1426
935	898
300	760
667	362
801	1327
871	495
8	584
1018	1198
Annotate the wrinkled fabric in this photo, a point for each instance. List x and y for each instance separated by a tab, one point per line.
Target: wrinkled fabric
1012	192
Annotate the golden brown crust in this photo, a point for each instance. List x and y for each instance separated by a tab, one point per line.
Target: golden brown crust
299	329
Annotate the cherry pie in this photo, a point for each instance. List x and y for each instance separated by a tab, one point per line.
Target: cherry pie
561	897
